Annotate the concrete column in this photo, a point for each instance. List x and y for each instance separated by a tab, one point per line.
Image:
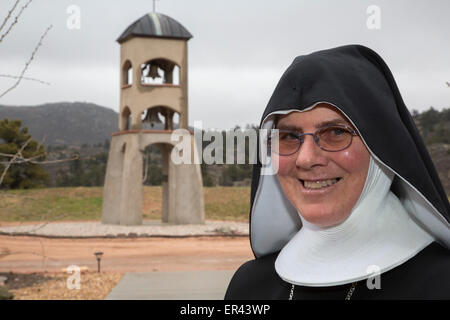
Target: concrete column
172	189
137	74
184	121
137	121
113	181
186	190
165	150
131	194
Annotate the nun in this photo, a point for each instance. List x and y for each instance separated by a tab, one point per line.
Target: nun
345	200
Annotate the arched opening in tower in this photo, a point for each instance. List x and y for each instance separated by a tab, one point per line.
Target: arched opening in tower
126	119
155	179
160	72
127	74
160	118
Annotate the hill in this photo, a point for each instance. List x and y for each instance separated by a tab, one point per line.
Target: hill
65	123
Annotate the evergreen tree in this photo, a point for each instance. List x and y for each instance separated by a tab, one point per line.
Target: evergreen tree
21	174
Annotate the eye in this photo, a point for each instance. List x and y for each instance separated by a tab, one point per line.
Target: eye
288	136
334	131
338	131
333	134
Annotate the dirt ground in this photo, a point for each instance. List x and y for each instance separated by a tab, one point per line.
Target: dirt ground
36	267
35	254
54	285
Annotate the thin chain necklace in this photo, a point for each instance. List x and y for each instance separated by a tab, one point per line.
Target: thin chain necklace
347	297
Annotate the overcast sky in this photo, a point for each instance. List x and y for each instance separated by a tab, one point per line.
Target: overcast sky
238	53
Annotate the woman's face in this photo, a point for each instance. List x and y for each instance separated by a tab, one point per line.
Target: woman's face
298	173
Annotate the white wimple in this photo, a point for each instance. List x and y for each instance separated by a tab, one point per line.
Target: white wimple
378	232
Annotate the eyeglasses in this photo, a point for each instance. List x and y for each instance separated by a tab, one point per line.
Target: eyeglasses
330	138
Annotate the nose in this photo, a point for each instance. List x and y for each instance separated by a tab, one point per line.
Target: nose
310	154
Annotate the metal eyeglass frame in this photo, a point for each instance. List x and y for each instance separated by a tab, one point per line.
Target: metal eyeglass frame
316	138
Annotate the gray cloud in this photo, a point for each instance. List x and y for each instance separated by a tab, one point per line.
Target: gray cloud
238	53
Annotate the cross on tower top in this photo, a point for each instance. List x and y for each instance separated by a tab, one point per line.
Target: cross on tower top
154	3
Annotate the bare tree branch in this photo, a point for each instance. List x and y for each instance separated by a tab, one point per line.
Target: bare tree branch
13	159
42	142
18	158
28	62
24	78
15	20
9	14
8	155
21	160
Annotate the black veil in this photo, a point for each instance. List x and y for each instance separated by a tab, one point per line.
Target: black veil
357	81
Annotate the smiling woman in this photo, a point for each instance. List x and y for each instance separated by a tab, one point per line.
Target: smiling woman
355	209
314	179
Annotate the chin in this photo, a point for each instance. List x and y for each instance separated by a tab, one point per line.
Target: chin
321	217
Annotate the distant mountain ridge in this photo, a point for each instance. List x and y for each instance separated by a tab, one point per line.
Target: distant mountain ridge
65	123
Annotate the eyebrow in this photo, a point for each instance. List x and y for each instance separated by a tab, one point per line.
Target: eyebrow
332	122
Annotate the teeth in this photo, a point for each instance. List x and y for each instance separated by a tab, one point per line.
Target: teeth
319	184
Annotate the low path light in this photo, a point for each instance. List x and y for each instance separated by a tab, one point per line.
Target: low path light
99	257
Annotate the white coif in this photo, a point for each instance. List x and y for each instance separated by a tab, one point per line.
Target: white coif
379	232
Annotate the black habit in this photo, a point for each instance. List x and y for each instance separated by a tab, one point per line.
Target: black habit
425	276
358	82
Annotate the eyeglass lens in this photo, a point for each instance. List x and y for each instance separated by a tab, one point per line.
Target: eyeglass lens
329	139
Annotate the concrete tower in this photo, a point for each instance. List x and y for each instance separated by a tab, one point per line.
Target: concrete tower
153	93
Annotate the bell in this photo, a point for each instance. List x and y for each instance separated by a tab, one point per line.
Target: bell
153	72
152	117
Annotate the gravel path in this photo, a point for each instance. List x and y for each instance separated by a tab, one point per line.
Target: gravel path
91	229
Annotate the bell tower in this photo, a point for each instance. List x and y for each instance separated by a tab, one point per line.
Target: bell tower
153	103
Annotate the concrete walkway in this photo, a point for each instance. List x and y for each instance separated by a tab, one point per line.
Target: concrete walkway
150	228
188	285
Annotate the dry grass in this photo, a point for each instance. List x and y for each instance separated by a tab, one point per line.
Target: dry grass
227	203
53	286
221	203
85	203
152	202
51	204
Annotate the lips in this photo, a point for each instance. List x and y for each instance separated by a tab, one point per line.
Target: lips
319	184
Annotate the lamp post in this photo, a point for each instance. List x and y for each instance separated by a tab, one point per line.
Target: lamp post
99	257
